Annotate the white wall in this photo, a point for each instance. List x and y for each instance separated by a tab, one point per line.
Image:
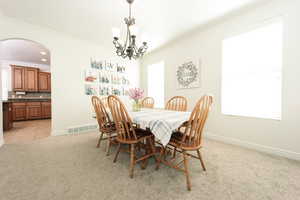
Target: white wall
280	137
69	57
1	116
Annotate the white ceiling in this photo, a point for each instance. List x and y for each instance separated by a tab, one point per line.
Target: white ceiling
161	20
23	51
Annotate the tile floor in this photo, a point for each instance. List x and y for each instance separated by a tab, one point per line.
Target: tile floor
28	131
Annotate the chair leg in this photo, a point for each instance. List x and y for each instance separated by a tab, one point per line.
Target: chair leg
162	153
144	163
186	171
201	160
174	152
118	151
151	141
132	161
99	141
108	145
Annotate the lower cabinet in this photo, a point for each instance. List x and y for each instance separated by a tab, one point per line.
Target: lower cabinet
19	111
46	110
31	110
7	116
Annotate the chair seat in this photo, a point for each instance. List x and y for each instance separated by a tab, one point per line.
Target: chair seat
109	127
140	134
176	140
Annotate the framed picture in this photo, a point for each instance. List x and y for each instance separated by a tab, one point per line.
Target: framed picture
91	89
188	75
91	75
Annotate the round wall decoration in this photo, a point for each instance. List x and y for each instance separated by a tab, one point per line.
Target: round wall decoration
188	75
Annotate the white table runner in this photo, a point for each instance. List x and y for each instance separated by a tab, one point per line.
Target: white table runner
162	123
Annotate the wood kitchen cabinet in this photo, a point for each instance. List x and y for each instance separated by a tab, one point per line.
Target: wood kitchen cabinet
33	110
7	116
18	78
46	110
19	111
44	82
31	79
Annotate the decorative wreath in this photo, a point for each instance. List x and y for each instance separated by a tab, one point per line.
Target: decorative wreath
187	73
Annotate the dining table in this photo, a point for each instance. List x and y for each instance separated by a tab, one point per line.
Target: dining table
162	123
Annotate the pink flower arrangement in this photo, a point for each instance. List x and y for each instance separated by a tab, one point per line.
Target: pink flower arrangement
136	94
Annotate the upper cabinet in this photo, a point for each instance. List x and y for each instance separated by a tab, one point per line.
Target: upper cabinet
18	78
29	79
44	82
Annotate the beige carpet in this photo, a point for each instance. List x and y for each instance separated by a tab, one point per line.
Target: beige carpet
71	168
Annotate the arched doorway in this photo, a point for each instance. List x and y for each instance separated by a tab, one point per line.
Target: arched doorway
25	67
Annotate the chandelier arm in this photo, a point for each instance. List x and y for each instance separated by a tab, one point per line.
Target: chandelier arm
130	37
135	49
126	40
119	47
143	49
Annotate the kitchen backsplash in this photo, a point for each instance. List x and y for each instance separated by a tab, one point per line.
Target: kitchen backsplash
29	94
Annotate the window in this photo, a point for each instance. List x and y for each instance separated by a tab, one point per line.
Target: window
251	74
156	83
4	78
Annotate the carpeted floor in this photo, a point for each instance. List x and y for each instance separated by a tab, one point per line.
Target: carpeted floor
71	168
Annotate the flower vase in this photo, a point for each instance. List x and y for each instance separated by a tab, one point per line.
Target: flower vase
136	106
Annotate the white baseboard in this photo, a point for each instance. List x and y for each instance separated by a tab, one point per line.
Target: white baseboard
59	132
258	147
65	132
75	130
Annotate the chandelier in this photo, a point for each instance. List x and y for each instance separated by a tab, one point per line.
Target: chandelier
129	49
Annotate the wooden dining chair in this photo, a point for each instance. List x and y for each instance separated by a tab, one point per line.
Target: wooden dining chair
177	103
190	139
106	125
105	102
128	133
148	102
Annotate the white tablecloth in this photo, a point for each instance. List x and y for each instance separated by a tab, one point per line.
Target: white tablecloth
162	123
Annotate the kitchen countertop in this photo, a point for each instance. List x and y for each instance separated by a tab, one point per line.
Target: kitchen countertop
28	99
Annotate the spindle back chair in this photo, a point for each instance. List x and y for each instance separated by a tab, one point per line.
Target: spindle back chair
128	133
105	102
177	103
191	138
148	102
106	126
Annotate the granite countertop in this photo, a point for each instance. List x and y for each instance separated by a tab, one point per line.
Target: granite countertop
29	98
18	99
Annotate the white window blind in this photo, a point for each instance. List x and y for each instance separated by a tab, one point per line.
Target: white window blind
251	74
156	83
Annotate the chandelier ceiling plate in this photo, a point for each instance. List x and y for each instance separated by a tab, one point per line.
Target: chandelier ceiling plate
130	1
